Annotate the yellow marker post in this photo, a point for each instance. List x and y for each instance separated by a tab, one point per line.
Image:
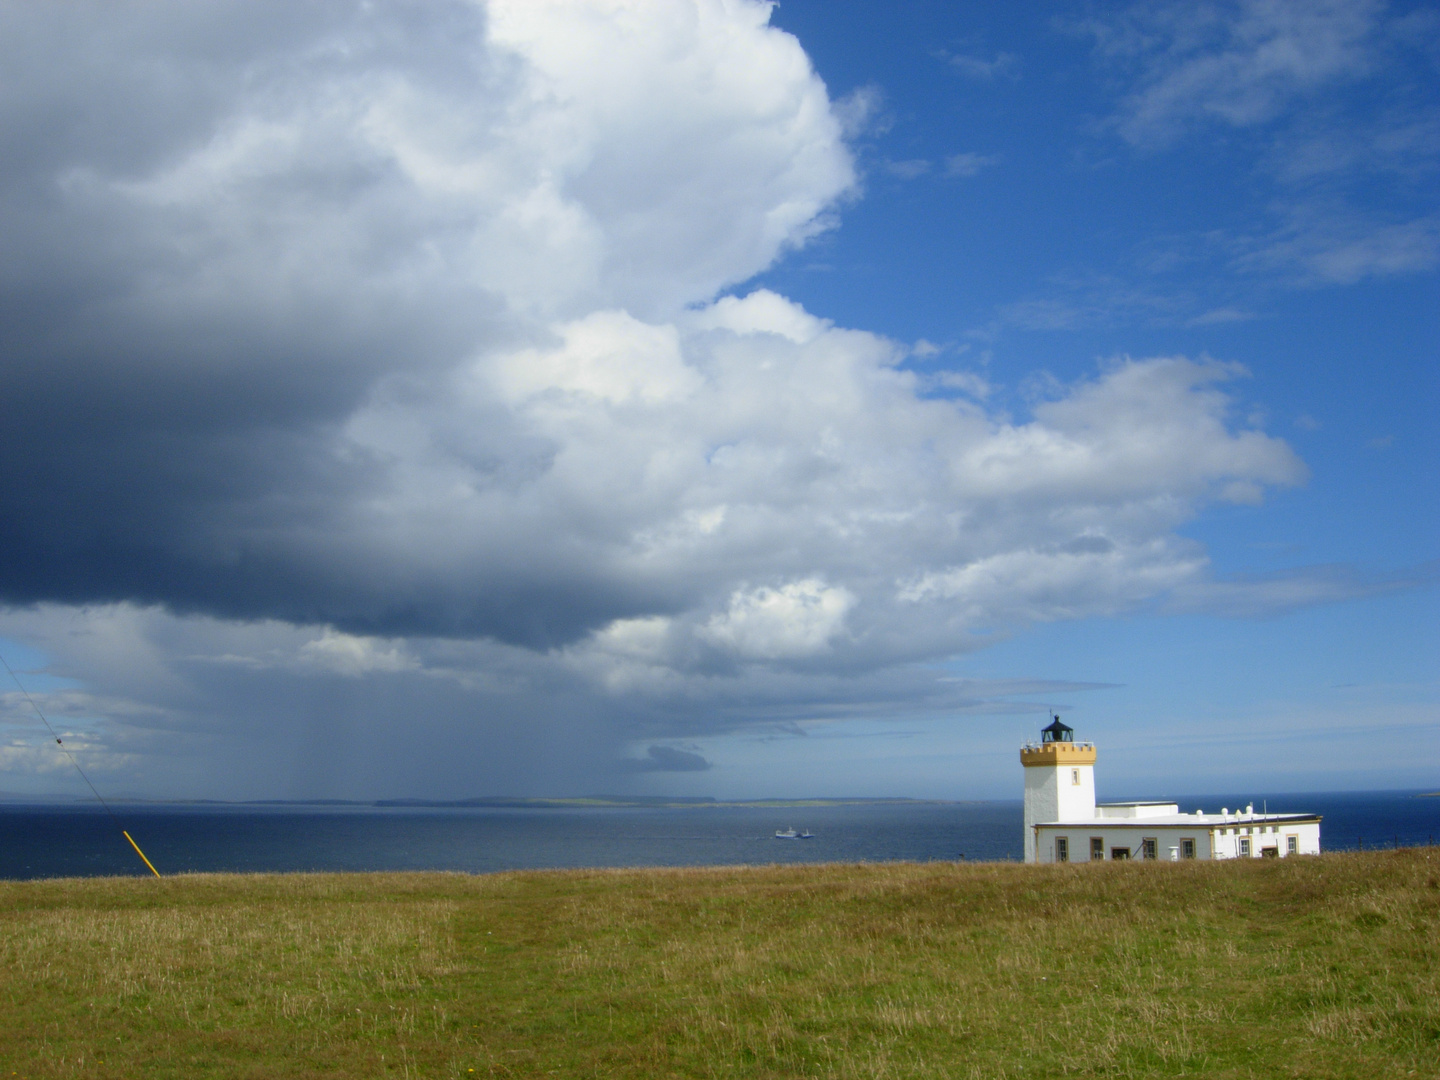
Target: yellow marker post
139	852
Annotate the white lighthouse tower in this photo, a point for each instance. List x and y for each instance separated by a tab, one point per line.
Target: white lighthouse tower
1059	781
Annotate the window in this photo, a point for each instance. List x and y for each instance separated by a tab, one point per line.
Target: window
1147	848
1187	848
1244	845
1097	848
1292	845
1062	849
1075	777
1119	853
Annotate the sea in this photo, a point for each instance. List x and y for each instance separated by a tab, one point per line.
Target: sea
49	841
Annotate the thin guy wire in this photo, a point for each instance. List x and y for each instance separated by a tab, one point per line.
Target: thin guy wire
95	791
60	742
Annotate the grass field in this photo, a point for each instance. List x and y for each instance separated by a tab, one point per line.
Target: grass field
1320	967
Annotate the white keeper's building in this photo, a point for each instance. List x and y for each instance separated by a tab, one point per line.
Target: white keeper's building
1063	823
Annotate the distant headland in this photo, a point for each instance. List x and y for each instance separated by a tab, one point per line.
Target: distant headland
674	802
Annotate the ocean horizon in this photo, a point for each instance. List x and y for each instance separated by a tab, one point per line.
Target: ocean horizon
49	840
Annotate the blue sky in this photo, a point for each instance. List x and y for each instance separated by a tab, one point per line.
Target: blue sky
704	398
1070	243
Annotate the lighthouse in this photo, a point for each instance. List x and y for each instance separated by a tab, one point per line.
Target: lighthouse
1063	823
1059	780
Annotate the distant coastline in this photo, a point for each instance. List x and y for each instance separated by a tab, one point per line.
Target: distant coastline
503	802
517	802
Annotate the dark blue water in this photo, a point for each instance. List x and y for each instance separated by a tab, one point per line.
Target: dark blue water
50	841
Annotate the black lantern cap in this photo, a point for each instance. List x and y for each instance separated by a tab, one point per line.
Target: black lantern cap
1056	732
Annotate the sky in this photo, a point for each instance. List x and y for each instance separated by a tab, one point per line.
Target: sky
714	398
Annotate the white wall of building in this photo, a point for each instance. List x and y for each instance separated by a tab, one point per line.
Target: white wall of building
1056	793
1231	837
1134	810
1214	839
1111	836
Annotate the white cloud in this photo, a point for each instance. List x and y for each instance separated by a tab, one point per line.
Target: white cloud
1120	435
1330	245
1003	64
760	312
579	155
1353	165
1237	63
969	164
1220	316
1094	576
620	93
1260	596
352	656
966	382
607	355
661	758
1078	300
798	619
643	639
859	112
909	169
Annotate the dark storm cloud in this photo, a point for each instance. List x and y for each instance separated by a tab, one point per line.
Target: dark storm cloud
174	370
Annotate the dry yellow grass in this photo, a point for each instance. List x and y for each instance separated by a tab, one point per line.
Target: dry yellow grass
1308	968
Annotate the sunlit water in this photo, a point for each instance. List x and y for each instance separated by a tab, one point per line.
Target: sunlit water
51	841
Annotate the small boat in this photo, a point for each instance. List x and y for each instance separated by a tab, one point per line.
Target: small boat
791	834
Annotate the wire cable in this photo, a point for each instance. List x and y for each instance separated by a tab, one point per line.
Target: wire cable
68	753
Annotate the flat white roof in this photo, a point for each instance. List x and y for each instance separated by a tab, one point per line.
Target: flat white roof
1193	821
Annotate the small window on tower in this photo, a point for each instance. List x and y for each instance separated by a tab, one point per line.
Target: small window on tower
1075	777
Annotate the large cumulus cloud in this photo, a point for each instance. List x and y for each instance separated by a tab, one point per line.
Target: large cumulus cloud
387	342
231	229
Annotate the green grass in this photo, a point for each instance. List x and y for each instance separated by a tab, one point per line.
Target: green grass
1298	967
